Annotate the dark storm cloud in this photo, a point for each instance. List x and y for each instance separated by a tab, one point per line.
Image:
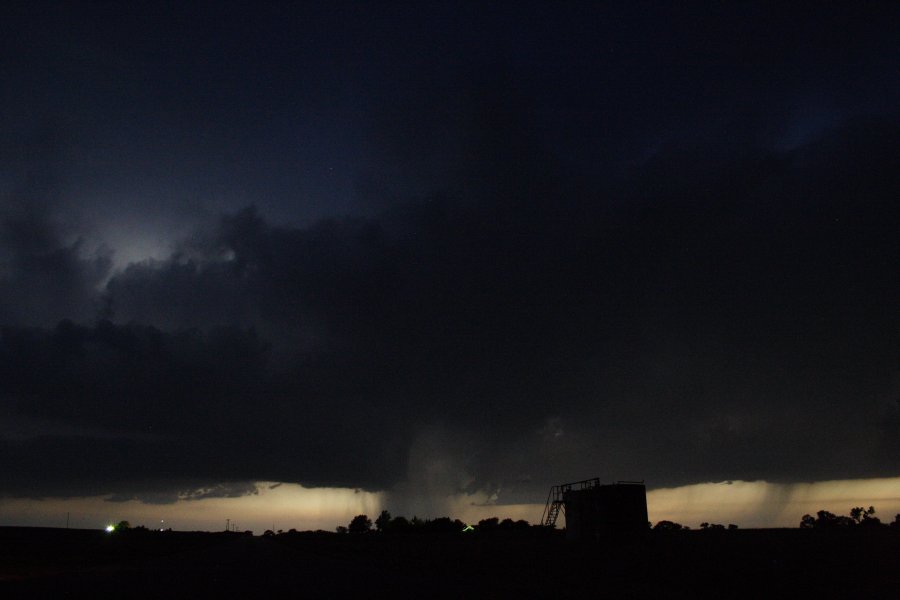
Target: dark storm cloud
231	489
621	242
48	272
707	318
132	399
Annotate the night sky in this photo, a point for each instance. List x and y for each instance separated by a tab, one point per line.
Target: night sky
446	248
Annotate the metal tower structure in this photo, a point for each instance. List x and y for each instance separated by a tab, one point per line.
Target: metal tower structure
556	499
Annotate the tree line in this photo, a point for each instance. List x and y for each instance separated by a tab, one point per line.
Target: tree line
859	517
386	523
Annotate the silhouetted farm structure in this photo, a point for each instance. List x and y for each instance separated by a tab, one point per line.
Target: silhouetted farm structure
595	511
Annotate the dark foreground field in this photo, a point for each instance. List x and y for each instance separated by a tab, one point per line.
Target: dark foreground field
745	563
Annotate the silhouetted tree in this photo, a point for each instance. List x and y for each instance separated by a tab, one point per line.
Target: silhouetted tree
864	517
827	520
488	524
360	524
123	526
896	523
400	525
340	529
383	522
439	525
668	526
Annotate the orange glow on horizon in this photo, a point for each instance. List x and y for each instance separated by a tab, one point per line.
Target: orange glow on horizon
752	504
748	504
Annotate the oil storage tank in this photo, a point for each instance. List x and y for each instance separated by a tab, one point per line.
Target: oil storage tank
595	511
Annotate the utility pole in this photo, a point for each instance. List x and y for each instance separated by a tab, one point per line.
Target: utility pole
67	519
227	524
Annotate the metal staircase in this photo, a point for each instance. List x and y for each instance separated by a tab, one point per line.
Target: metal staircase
553	507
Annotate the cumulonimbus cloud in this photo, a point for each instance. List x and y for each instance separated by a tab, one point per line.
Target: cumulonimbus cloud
728	322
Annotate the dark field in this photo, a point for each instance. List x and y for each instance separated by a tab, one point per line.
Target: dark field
856	563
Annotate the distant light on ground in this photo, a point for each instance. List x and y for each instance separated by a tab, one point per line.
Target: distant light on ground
110	528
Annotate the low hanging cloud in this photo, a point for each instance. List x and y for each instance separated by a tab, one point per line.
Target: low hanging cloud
704	318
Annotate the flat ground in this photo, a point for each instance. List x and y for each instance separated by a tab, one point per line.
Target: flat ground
38	562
